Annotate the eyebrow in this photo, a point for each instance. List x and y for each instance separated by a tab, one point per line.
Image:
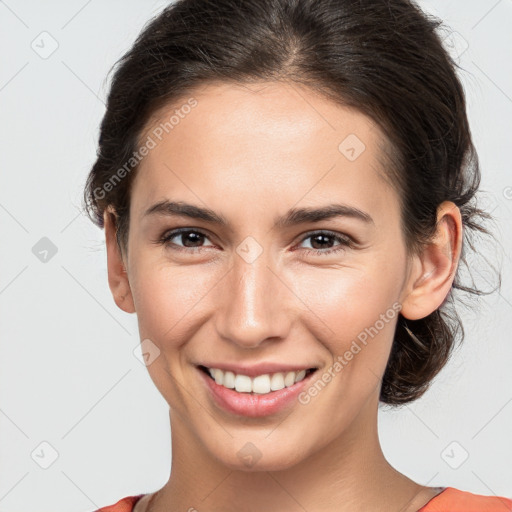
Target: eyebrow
292	217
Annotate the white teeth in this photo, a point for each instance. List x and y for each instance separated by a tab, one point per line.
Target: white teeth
300	375
262	384
219	377
242	383
229	380
277	382
289	379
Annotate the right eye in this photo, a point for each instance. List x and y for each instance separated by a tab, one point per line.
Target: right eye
184	235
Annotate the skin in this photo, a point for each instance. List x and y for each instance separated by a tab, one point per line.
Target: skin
250	154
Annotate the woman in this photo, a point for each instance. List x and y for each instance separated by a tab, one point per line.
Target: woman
287	188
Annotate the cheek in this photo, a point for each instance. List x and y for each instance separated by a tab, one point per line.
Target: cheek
168	302
354	316
168	299
349	299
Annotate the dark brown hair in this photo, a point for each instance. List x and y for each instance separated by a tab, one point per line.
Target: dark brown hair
383	57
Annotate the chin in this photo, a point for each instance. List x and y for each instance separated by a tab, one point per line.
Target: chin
259	456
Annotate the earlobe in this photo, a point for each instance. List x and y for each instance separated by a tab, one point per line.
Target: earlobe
433	271
117	274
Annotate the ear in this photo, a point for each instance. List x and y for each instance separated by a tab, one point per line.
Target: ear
433	271
117	276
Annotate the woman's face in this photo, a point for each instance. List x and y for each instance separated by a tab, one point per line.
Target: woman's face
253	290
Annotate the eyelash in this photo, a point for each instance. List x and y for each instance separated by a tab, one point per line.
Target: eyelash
345	241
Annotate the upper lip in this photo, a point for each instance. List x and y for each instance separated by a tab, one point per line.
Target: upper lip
253	370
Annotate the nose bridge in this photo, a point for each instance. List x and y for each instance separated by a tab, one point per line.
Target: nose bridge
252	308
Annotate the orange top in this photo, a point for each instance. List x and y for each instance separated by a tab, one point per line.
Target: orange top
455	500
448	500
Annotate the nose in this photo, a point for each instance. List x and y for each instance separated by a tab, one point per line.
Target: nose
253	305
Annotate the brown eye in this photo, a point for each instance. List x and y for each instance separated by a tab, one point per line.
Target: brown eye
321	242
189	238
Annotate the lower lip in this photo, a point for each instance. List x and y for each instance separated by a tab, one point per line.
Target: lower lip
253	405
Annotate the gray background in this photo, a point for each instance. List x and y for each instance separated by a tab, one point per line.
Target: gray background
68	373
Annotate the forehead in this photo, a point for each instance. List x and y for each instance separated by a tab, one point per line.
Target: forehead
259	144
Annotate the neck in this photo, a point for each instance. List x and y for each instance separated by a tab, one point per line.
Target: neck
348	474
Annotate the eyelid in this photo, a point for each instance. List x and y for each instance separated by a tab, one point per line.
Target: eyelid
178	231
334	234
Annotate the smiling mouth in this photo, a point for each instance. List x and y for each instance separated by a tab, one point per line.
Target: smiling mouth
259	385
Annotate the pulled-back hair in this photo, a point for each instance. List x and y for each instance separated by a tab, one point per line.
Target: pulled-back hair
383	57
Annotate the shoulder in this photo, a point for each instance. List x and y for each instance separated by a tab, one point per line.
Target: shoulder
123	505
457	500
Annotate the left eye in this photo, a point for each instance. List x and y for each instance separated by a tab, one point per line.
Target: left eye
322	238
